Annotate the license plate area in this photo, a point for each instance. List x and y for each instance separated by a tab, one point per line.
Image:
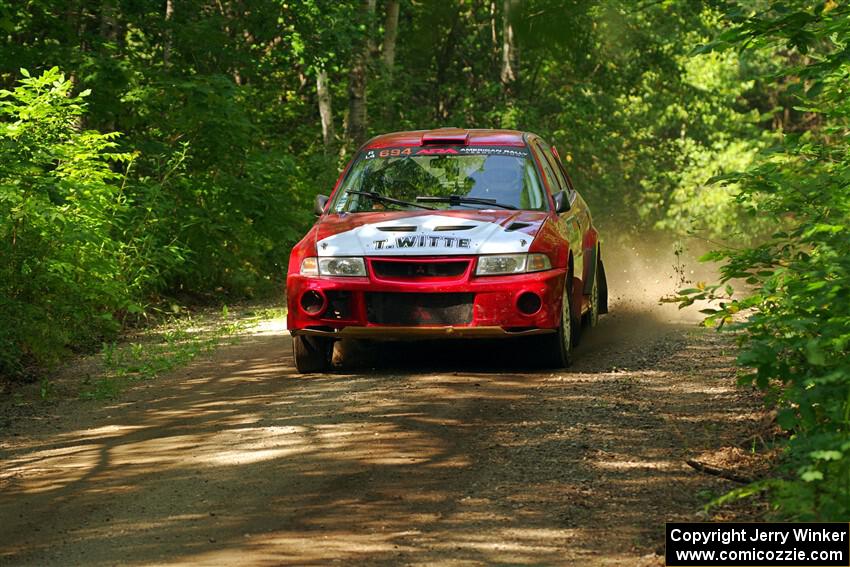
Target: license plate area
427	309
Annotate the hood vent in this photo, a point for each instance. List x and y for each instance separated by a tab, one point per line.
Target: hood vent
454	227
397	228
518	226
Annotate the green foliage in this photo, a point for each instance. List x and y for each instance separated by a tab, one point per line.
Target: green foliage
62	278
221	153
203	195
795	338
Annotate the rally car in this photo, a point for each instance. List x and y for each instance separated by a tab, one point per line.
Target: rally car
448	233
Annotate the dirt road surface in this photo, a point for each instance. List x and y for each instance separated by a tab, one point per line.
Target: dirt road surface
443	454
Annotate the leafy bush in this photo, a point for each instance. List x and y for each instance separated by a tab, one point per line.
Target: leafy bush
62	277
796	339
90	235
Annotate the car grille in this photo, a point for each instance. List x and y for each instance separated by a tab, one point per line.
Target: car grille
427	309
405	269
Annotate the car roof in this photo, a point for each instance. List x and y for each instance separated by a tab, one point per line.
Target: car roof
470	137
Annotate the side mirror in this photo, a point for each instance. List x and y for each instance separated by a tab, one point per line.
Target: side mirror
319	205
562	202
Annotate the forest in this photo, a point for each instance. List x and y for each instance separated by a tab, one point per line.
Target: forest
155	154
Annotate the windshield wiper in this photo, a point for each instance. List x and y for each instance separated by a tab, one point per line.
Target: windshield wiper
383	198
455	200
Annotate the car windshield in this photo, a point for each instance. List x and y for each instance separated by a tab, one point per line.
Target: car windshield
436	177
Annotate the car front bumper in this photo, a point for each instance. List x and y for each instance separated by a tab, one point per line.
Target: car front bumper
462	307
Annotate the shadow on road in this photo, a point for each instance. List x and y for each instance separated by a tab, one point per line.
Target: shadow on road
447	452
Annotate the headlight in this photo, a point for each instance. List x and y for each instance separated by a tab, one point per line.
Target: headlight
352	266
511	264
348	266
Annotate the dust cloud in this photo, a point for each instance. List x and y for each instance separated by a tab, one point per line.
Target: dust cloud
643	271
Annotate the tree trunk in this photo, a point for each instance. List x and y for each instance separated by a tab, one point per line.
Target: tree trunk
325	110
82	119
108	25
166	44
390	34
357	110
493	35
388	109
445	56
508	75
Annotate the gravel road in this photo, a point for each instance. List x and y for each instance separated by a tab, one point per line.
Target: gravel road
440	454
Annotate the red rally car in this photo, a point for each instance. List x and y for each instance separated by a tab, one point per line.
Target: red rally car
448	233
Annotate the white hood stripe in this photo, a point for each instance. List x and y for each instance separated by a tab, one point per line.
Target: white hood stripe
430	235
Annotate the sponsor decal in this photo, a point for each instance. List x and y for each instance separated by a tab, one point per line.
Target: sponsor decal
437	152
494	151
422	241
410	151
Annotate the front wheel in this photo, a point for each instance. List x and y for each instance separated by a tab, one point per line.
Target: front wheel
556	350
311	354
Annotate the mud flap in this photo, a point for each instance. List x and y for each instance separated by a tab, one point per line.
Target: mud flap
603	289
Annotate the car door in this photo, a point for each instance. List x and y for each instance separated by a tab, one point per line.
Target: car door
590	237
576	200
569	221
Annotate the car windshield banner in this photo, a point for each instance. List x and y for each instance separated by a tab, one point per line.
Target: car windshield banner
421	151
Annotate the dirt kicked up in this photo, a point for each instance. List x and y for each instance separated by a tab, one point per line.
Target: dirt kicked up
428	454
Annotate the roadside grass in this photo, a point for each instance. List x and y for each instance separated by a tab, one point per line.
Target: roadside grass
170	345
141	354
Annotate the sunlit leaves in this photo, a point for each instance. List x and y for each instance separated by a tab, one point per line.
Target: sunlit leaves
63	266
797	330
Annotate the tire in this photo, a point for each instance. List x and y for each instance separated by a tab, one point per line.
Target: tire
556	350
311	354
575	327
591	318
